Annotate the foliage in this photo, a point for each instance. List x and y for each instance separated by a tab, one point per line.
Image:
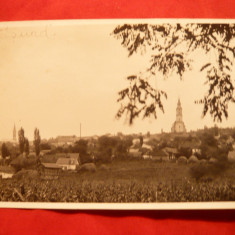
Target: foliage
81	147
211	171
187	152
171	46
139	181
5	151
26	146
45	146
37	141
109	147
21	140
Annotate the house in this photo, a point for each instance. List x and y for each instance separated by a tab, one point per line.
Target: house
67	163
135	141
74	156
50	170
160	155
147	146
230	140
135	152
193	144
231	156
197	151
147	155
171	152
146	140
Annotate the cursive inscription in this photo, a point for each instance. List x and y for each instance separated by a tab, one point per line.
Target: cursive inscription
45	32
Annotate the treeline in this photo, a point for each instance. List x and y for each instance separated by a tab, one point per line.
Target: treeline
212	142
104	149
12	151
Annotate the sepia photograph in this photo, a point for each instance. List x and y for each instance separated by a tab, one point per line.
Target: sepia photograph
117	114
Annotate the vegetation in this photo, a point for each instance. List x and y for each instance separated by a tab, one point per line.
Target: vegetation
5	151
21	140
172	47
124	181
115	176
26	146
37	141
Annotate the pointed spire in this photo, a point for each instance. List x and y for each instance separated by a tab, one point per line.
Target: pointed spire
179	103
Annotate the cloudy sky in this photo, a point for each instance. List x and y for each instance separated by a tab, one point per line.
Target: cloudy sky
55	77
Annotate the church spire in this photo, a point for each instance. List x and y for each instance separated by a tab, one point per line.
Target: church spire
178	125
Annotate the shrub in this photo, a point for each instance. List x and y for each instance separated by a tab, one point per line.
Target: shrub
212	170
182	160
193	159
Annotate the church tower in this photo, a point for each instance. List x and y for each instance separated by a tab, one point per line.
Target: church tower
178	126
14	133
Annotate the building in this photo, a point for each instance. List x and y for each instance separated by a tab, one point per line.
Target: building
160	155
135	152
67	163
178	126
50	171
231	156
172	152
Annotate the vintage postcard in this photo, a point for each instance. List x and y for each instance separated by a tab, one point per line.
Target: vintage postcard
117	114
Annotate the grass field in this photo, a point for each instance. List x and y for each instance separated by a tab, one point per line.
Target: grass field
124	181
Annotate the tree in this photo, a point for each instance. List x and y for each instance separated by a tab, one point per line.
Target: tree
21	140
171	46
5	151
141	140
26	146
106	147
81	147
45	146
37	141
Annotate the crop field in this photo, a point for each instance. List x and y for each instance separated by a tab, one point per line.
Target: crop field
124	181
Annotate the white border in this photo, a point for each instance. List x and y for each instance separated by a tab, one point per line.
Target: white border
116	206
121	206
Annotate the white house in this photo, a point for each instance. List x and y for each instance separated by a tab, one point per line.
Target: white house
135	152
67	163
135	141
147	146
231	156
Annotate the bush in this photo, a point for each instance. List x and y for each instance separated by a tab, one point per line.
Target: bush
193	159
104	167
88	167
182	160
22	162
205	171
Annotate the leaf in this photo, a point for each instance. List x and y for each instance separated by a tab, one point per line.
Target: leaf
205	66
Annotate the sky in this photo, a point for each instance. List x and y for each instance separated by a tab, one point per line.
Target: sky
55	77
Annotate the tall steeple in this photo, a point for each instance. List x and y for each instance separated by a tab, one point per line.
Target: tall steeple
14	133
178	126
179	115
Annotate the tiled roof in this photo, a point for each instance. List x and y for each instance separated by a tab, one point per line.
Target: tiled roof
65	161
51	165
160	153
171	150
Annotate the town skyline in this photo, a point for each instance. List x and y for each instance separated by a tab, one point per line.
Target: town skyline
63	77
